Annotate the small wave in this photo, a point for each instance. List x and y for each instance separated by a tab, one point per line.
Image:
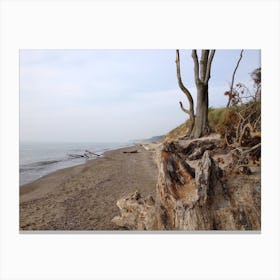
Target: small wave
37	165
30	168
75	156
51	164
40	163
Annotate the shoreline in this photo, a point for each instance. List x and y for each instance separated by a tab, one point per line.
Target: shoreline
83	197
56	172
66	163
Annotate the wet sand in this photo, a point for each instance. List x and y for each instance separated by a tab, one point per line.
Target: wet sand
84	197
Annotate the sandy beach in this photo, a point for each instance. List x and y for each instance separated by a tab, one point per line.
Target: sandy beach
84	197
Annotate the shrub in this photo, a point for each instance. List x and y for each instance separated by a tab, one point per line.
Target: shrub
230	121
216	118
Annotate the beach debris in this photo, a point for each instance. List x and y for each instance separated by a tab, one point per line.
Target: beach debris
194	193
130	152
205	201
75	156
149	146
92	153
86	154
136	213
196	149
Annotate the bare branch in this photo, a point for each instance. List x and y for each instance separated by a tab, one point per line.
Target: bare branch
253	148
256	123
209	63
181	85
196	67
184	109
253	134
233	75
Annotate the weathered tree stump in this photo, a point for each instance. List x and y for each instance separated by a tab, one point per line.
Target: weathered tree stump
188	198
136	213
203	201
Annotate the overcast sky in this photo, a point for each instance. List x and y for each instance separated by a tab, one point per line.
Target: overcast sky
114	95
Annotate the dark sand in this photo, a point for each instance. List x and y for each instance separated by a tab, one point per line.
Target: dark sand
84	197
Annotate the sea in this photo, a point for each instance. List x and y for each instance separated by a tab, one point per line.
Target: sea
39	159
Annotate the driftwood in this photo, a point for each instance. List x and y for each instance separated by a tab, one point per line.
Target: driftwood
203	202
196	149
75	156
189	198
131	152
91	153
87	154
136	213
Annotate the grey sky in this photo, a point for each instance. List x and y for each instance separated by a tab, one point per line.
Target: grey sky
114	95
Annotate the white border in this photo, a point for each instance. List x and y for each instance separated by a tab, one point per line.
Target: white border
155	24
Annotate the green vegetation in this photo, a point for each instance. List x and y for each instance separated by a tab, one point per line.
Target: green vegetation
216	118
228	119
224	120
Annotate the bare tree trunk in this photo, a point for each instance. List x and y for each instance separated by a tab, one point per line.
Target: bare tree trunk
202	70
201	125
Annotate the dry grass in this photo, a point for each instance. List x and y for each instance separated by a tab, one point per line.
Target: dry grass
178	132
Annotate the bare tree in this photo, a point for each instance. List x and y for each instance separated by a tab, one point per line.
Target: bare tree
202	71
232	93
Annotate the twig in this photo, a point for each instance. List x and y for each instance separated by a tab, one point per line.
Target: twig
252	149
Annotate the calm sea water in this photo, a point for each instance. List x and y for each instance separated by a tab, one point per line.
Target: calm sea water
39	159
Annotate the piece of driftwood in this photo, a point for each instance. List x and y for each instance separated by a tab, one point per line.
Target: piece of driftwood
86	154
130	152
187	198
91	153
196	149
76	156
136	213
202	202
